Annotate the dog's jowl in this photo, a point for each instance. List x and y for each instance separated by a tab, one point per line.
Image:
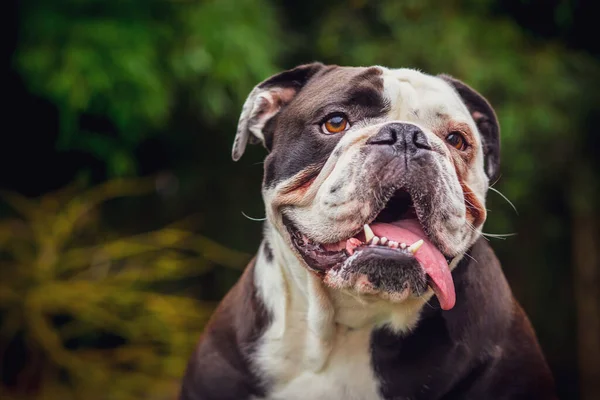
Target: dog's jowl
372	280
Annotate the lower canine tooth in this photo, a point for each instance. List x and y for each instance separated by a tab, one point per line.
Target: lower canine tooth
415	246
368	233
383	240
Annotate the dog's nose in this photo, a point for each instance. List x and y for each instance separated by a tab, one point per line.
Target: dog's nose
401	133
388	134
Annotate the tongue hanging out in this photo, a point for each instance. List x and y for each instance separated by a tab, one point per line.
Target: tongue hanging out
408	234
430	258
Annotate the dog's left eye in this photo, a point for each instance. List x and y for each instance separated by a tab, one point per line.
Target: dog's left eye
335	124
456	140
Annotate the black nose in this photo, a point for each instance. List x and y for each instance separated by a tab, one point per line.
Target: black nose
398	133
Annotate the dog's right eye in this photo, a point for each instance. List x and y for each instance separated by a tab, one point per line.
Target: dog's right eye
335	124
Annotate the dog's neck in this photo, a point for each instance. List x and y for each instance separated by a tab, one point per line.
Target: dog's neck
295	296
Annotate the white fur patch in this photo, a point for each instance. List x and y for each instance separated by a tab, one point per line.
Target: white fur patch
318	345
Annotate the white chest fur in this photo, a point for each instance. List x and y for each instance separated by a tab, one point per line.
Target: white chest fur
347	374
318	343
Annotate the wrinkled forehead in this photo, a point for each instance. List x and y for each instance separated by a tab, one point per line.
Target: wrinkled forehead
402	94
352	87
415	95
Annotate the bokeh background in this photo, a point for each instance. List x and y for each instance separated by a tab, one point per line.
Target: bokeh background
123	219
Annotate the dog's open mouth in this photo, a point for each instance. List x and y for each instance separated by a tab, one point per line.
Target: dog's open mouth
395	238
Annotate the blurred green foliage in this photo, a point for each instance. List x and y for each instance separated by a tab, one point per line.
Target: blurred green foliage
85	304
131	63
179	71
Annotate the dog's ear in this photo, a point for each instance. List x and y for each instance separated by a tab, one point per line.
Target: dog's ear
484	116
265	101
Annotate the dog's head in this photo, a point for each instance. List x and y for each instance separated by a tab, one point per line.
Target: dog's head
376	178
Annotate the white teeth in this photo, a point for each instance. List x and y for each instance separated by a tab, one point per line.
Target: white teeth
415	246
368	233
373	240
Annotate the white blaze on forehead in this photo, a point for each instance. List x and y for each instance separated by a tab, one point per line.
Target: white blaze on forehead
421	98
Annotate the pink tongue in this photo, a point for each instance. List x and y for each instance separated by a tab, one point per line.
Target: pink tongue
409	231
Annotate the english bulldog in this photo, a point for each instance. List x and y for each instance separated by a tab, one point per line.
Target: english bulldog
373	280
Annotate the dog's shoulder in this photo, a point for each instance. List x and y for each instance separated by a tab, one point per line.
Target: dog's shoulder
483	348
507	360
222	358
512	367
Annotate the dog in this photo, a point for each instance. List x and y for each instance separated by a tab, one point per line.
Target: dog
373	280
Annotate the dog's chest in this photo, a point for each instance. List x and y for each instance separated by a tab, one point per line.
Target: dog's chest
347	373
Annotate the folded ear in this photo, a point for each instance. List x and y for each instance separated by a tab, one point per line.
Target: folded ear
265	101
484	116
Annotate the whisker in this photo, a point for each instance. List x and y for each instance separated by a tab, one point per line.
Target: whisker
471	257
505	198
253	219
356	297
471	205
493	237
470	226
428	304
496	181
501	236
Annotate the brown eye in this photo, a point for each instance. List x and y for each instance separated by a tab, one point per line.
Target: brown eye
456	140
335	124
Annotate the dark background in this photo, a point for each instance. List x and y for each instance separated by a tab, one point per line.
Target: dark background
121	220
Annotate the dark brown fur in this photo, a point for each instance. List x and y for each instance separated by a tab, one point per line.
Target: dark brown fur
221	367
484	348
487	123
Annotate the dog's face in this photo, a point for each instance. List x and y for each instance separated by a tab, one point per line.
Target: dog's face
376	178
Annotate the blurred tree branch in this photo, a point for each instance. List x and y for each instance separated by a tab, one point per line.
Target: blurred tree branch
64	299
